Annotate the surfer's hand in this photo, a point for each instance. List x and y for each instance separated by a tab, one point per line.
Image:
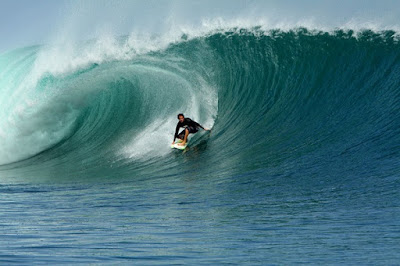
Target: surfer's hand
173	142
206	129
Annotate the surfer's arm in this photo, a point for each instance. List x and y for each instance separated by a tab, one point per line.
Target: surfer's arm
176	132
198	125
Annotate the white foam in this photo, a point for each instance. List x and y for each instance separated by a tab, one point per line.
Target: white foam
154	140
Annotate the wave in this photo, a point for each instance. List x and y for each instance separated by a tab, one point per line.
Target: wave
295	99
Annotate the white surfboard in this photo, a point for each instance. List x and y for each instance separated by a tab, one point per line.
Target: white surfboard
179	147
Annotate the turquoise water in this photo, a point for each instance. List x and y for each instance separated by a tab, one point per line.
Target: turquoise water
301	166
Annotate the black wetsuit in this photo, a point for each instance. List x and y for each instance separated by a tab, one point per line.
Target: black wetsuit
188	123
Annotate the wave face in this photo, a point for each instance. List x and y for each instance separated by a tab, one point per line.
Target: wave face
293	103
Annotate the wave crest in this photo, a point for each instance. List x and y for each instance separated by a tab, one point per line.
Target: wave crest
272	97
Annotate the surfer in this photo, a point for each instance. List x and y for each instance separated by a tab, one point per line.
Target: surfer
190	127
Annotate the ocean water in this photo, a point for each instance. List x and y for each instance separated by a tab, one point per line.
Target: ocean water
302	164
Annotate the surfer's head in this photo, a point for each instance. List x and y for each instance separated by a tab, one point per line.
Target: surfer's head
181	118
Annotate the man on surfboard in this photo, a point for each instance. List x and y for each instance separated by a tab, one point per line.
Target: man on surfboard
189	126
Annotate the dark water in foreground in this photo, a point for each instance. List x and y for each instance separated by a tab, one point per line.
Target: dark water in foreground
302	164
